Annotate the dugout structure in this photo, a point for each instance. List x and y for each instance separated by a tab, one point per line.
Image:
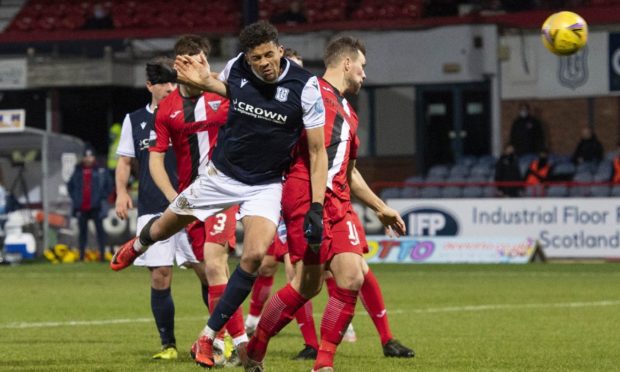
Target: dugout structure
36	165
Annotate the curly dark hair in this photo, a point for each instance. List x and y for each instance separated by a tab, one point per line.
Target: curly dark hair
257	33
191	45
345	46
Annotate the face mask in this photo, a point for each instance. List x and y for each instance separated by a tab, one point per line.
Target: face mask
523	113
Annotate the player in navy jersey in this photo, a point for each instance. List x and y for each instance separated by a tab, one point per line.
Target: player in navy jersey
190	119
344	242
137	130
273	101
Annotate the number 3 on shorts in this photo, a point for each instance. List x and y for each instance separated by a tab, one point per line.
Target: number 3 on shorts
219	226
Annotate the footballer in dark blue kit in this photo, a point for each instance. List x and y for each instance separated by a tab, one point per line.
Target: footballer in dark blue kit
272	102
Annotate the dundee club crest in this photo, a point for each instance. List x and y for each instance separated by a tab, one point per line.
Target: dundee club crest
573	71
282	94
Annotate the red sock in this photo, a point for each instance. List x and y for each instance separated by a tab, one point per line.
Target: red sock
306	325
330	282
260	294
234	326
280	310
371	297
336	318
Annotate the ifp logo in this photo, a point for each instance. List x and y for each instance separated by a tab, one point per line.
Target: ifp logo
430	222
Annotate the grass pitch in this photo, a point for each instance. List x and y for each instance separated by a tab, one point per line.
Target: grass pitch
542	317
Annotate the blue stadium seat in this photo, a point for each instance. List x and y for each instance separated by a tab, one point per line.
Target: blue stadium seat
564	169
430	192
615	190
557	191
589	167
390	193
480	170
459	170
438	170
411	192
600	191
489	192
559	158
451	192
611	155
467	160
488	160
472	192
581	191
605	169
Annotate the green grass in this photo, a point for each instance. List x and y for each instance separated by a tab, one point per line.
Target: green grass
562	317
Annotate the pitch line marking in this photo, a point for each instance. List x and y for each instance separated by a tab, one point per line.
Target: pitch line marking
449	309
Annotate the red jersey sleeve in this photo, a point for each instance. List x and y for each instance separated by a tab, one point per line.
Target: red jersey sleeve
355	144
162	134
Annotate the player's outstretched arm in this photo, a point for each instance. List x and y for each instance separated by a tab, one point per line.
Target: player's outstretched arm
121	178
160	176
196	72
389	217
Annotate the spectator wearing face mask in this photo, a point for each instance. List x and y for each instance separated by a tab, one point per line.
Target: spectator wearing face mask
526	134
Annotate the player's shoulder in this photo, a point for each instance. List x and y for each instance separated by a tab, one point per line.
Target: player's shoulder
169	102
294	71
139	115
210	97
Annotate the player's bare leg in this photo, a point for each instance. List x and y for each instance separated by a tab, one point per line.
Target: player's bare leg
259	233
347	269
159	228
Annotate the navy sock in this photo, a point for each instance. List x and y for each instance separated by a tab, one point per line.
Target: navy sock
205	295
237	290
163	311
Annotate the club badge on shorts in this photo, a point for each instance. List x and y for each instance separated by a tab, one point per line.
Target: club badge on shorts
182	202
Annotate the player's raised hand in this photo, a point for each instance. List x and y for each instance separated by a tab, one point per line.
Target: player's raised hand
192	70
392	221
123	203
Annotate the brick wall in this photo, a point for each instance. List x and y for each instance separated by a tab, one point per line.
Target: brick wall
563	120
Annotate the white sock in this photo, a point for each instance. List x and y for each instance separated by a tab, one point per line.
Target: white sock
208	332
241	339
251	321
219	343
137	246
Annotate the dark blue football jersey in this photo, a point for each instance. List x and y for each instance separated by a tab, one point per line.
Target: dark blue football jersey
138	128
265	120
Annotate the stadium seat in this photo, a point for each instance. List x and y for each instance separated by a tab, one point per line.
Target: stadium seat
411	192
430	192
451	192
559	158
564	170
472	192
438	170
557	191
480	170
390	193
459	170
615	190
489	192
600	191
581	191
589	167
467	160
604	170
488	160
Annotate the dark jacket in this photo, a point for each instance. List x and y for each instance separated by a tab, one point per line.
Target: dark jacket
507	169
588	150
101	186
527	136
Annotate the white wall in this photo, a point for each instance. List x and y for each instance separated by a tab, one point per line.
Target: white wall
531	71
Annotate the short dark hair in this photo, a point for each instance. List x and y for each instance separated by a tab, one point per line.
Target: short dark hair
153	76
289	52
256	34
191	44
341	47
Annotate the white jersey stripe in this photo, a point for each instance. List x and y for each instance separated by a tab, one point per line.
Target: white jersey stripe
340	153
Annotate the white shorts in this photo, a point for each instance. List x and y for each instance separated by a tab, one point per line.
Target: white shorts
215	191
165	252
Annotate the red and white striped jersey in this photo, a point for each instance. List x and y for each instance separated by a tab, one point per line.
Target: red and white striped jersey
191	124
341	143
